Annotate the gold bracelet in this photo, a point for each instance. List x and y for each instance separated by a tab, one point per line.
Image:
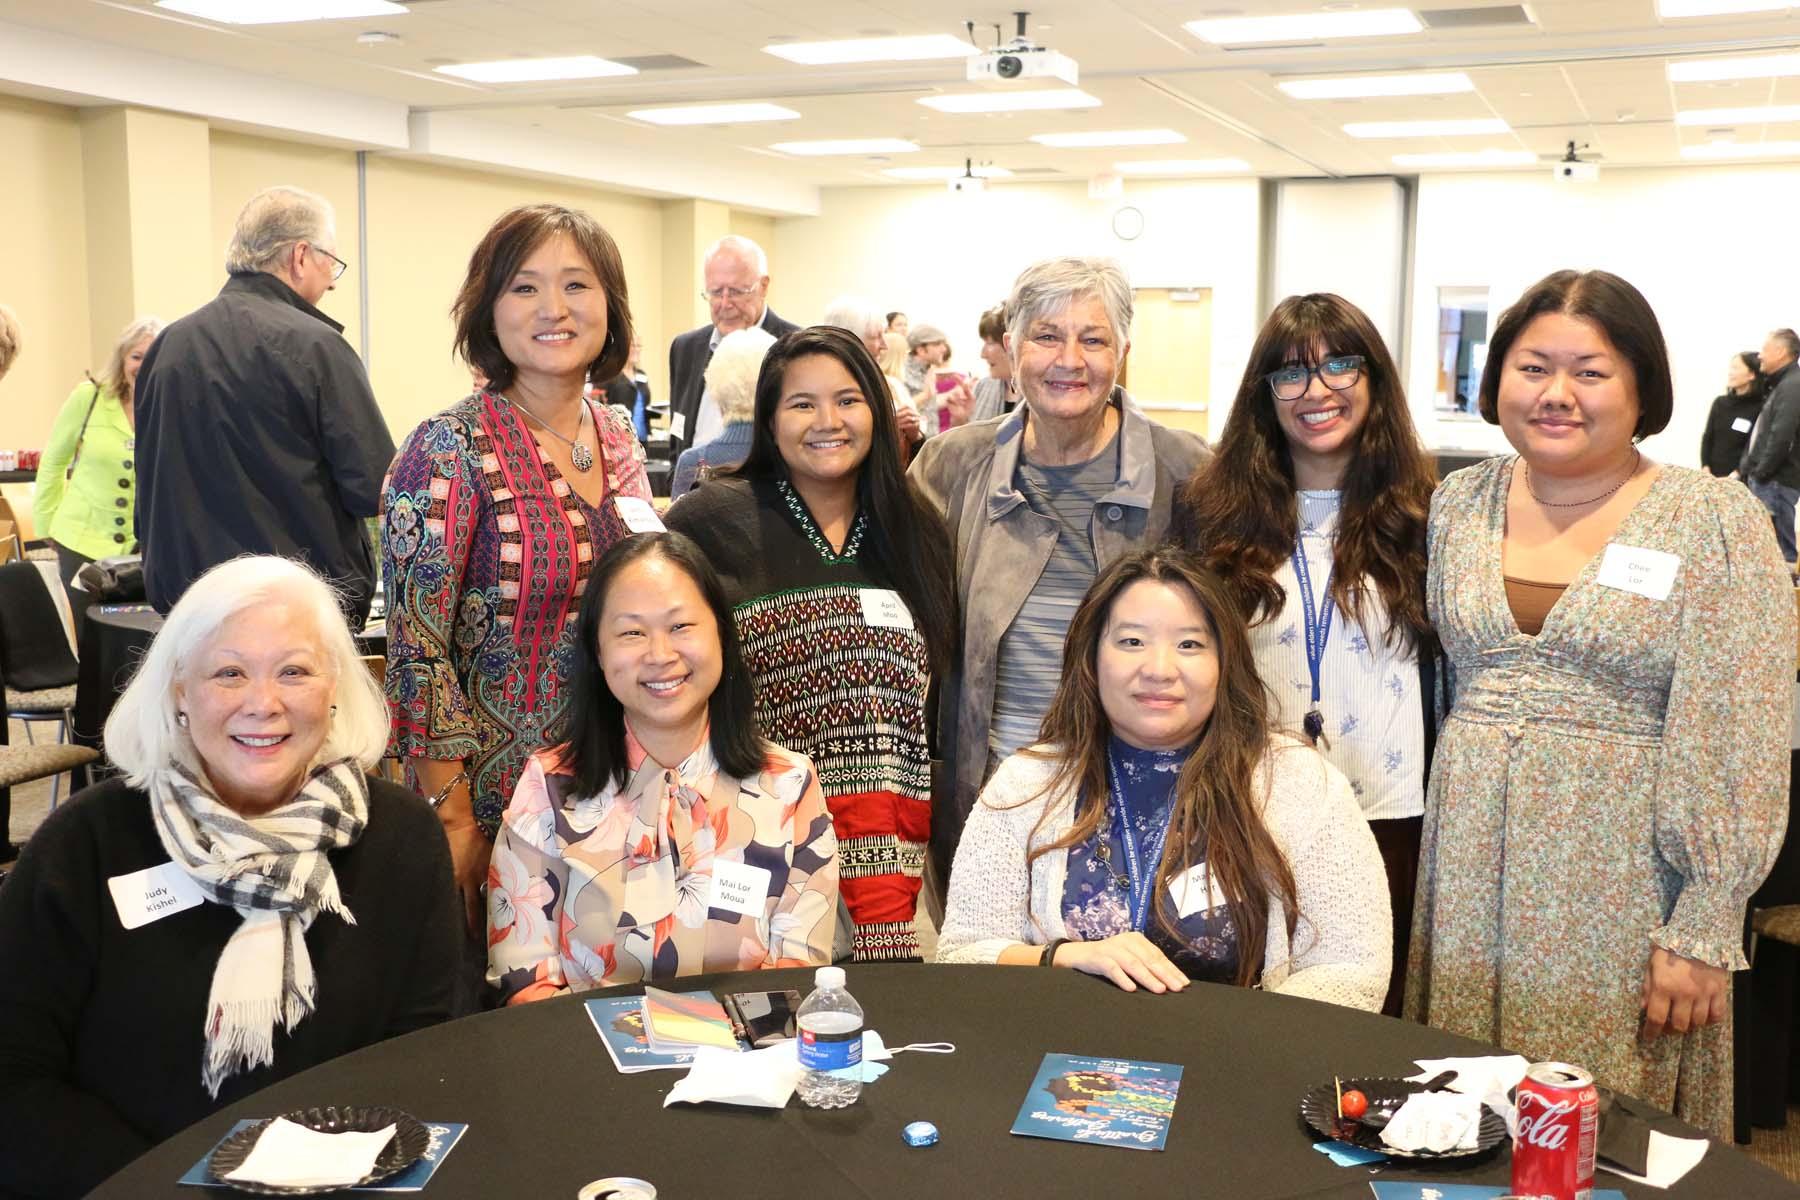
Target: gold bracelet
436	800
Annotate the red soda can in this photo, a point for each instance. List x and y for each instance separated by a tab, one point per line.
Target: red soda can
1559	1122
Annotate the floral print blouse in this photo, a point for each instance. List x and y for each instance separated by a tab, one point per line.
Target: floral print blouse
679	872
486	551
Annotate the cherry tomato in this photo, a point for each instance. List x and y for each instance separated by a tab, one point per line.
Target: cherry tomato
1355	1104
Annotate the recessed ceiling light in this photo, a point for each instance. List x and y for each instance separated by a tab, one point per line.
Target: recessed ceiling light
941	173
1408	129
536	70
1181	166
276	12
376	37
714	114
1676	9
996	102
1739	116
848	146
1356	87
1306	27
1109	137
860	50
1468	158
1758	66
1742	150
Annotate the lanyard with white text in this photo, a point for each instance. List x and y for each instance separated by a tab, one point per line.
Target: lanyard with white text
1318	632
1141	890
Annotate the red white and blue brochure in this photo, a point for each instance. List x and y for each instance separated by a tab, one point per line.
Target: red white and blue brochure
1102	1101
619	1020
1391	1190
444	1136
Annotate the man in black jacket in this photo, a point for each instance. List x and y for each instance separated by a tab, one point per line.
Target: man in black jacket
1772	461
736	286
257	432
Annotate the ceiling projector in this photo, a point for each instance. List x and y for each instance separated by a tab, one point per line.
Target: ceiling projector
1020	59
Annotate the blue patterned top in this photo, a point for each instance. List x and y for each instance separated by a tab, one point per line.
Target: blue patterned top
1096	893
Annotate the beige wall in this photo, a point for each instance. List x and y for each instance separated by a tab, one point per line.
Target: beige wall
43	273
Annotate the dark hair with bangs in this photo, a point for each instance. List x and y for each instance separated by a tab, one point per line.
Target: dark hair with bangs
1238	513
1217	811
592	732
906	536
499	256
1623	317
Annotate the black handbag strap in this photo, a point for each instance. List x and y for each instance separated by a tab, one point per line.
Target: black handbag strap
81	437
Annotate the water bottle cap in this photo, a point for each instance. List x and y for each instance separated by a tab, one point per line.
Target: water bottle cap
829	977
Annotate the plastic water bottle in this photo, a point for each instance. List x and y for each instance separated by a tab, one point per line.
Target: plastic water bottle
830	1022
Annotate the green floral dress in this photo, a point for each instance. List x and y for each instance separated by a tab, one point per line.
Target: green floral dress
1615	783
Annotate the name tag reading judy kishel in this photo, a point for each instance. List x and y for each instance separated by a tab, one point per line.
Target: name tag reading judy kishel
152	894
1638	569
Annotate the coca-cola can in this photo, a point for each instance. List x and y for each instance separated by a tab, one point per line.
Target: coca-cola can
1559	1122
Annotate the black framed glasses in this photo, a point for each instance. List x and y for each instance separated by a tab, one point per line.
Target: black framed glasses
1290	381
339	266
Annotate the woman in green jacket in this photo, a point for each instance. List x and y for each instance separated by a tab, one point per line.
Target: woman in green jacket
87	479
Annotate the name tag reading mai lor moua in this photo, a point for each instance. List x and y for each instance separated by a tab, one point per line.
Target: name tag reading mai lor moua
1636	569
153	893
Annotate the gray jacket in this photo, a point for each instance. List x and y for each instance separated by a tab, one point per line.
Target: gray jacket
967	473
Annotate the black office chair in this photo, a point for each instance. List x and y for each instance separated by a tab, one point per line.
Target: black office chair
36	664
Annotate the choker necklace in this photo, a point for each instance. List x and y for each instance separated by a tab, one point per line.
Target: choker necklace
579	455
1638	457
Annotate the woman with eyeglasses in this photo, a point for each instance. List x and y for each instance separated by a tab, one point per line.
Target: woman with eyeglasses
1313	508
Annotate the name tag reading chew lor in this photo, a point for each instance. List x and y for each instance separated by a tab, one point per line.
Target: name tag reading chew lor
152	894
638	516
884	609
1636	569
739	888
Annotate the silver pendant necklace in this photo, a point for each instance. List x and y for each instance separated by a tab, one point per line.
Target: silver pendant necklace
580	457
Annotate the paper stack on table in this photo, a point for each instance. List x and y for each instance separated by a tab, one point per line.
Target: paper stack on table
290	1155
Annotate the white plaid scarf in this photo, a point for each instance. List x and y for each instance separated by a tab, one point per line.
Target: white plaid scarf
273	869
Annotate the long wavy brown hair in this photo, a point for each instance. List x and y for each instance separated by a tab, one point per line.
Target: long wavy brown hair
1238	513
1216	814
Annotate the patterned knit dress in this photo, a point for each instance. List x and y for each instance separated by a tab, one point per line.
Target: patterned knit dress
840	670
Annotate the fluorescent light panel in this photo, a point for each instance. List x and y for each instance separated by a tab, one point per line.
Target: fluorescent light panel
537	70
1742	150
1111	137
1712	70
1411	129
1181	166
1738	116
277	12
848	146
715	114
940	173
1357	87
1306	27
1468	158
1670	10
886	49
992	102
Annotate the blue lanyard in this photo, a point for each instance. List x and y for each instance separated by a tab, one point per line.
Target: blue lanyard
1318	632
1141	889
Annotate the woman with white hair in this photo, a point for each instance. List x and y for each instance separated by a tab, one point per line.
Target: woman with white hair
242	904
1039	504
87	479
731	382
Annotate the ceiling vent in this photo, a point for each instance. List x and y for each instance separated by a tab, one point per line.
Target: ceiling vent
1473	18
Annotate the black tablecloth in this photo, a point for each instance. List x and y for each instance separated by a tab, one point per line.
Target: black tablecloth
547	1111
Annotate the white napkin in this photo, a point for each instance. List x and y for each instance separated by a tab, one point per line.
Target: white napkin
1669	1159
290	1155
762	1078
1435	1121
1488	1079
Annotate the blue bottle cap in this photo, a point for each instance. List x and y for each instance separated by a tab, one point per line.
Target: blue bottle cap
920	1133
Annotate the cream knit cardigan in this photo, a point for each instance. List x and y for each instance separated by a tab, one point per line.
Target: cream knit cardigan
1341	950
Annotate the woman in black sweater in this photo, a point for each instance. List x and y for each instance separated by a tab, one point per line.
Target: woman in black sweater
1733	414
243	904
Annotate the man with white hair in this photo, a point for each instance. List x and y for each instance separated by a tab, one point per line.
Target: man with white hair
735	283
257	432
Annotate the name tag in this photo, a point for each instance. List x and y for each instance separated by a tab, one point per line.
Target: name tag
1197	891
152	894
1636	569
677	425
1740	424
638	515
884	609
739	888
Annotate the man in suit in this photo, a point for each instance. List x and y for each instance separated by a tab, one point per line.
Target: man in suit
735	279
1771	465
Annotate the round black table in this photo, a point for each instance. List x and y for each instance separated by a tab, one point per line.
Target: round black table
547	1112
